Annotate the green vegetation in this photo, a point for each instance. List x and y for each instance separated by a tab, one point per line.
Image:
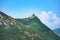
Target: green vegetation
24	29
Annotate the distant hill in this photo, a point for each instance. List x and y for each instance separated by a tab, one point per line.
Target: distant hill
57	31
30	28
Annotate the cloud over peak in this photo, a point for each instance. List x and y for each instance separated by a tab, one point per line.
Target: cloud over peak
49	18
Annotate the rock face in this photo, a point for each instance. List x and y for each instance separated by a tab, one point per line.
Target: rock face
1	16
33	16
24	29
5	19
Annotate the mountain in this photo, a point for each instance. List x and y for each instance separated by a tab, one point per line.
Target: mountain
10	29
57	31
30	28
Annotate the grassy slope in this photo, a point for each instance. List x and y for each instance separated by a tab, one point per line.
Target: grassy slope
30	29
37	27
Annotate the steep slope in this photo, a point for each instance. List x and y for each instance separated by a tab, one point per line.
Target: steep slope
24	29
37	30
57	31
10	29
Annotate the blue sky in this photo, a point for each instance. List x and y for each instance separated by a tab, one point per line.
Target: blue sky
25	8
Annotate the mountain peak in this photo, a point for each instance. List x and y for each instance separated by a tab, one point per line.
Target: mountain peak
33	16
29	29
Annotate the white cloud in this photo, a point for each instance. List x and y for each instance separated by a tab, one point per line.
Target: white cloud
56	19
49	18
